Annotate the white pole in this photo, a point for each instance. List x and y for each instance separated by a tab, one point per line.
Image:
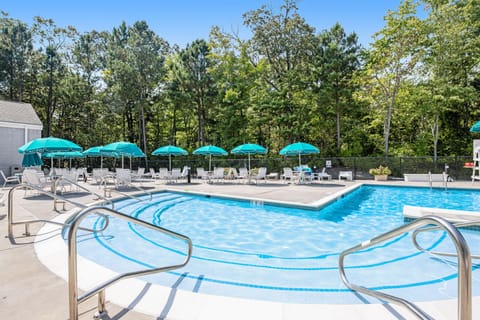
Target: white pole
170	162
210	164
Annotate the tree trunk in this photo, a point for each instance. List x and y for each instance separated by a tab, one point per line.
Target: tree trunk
388	120
337	111
435	138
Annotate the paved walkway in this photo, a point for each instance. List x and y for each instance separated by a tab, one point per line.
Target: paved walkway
30	291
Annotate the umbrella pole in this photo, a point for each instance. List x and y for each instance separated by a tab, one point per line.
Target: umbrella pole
210	164
299	160
249	168
122	161
170	162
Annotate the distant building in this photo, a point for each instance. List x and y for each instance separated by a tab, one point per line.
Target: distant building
19	124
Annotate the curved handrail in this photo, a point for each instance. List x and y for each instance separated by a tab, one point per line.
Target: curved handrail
464	267
10	213
74	299
432	228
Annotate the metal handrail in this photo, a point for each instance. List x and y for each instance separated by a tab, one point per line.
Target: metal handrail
445	180
464	267
458	225
10	213
74	299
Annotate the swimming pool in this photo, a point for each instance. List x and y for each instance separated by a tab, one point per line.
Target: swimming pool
268	252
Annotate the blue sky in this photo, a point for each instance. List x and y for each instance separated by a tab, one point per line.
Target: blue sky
182	21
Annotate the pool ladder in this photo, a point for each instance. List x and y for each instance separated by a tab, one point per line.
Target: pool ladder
464	311
74	298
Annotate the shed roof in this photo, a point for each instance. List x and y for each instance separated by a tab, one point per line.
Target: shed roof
18	112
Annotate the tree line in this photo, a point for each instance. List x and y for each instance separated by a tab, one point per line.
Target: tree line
413	91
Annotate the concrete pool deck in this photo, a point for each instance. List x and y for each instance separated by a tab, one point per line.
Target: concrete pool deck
30	290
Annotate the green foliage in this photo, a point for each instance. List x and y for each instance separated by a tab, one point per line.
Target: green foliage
414	91
380	170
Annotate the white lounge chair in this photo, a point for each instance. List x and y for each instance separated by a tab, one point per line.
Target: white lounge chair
174	175
123	177
35	179
6	179
288	174
139	174
262	174
155	175
67	179
203	175
184	173
99	174
323	175
243	173
218	174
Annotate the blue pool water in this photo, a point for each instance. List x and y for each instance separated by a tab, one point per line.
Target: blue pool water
269	252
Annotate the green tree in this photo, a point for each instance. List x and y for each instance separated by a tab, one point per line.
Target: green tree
338	60
54	43
451	67
88	56
282	50
392	58
198	83
16	49
134	71
235	78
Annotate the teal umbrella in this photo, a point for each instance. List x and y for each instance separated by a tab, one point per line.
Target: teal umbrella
475	127
64	155
31	160
299	148
124	149
96	152
169	151
210	151
248	149
49	144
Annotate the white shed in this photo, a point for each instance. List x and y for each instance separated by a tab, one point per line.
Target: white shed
19	124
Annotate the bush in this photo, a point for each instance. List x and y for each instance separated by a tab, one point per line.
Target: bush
381	170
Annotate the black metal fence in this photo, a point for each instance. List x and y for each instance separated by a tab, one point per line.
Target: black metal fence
358	165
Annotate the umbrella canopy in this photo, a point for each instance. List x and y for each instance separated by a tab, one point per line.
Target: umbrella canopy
249	148
475	127
49	144
169	151
124	149
210	151
299	148
31	160
95	152
64	155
